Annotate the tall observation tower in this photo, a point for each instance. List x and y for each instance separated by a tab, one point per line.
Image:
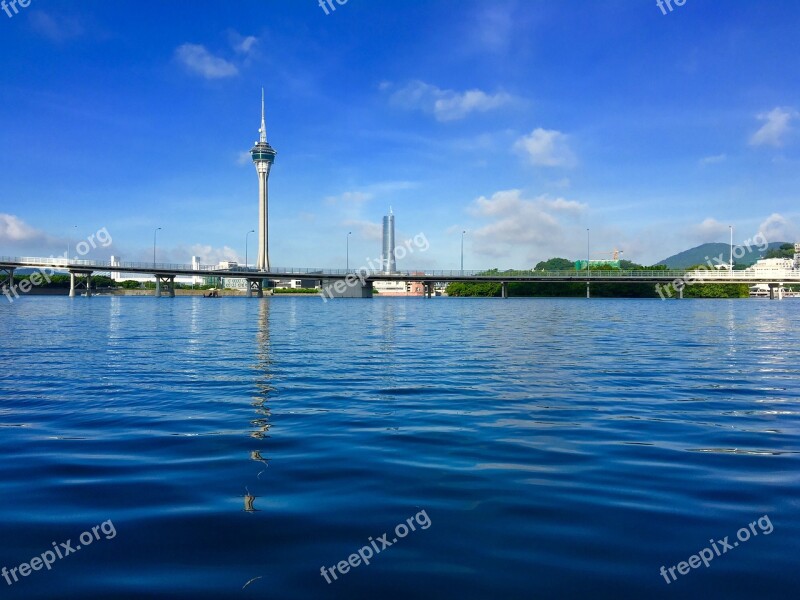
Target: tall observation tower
263	157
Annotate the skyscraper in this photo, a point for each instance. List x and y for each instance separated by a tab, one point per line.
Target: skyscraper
387	256
263	156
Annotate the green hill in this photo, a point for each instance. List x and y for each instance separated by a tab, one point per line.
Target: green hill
711	251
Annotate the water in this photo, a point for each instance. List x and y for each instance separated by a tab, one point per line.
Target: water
557	448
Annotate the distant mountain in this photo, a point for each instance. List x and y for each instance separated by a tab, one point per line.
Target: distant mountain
711	251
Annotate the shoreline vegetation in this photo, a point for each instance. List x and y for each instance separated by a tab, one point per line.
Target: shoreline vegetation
598	289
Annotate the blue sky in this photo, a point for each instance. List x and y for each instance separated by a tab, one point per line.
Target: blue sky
522	122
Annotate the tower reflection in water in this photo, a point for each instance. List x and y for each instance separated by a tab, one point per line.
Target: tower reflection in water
263	369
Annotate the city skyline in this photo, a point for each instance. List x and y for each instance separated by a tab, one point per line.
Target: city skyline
667	151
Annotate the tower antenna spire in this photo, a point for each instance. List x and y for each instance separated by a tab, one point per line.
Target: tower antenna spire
263	130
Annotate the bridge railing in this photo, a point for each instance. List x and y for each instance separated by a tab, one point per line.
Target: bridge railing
409	274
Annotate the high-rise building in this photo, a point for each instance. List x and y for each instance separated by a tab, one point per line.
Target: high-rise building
263	156
387	256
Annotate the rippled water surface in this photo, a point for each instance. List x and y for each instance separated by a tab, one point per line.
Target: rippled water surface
553	448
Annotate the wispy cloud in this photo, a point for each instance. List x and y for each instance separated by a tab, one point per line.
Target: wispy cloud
713	160
14	230
777	124
546	148
444	105
199	61
517	224
365	229
56	28
777	228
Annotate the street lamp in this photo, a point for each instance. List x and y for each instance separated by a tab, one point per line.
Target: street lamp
588	263
68	241
155	233
462	252
245	246
347	268
731	260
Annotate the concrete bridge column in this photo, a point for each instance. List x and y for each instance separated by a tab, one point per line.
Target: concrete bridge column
75	283
504	290
7	277
257	286
588	293
772	291
166	282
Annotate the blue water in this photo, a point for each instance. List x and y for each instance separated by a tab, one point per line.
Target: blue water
554	448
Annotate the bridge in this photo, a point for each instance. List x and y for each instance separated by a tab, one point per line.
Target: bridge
358	282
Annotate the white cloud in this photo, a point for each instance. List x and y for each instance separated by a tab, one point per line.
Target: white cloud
531	226
713	160
350	198
209	255
776	126
546	148
710	230
244	45
201	62
15	231
777	228
445	105
366	229
56	28
244	157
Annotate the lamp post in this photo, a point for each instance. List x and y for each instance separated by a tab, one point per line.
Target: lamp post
155	233
731	257
588	263
68	241
245	246
347	265
462	252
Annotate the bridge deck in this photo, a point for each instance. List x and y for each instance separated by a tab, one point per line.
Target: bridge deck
428	276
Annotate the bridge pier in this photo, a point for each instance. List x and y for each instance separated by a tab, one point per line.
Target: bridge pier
504	290
588	293
7	277
75	283
257	286
168	281
428	290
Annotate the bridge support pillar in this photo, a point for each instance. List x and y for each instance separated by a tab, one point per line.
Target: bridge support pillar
504	290
680	293
75	283
257	286
428	290
7	277
772	291
165	283
588	293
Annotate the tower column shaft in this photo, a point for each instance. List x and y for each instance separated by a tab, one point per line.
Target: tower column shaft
263	222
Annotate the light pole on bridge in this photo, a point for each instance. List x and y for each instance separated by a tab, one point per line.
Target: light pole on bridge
731	257
462	252
245	246
588	263
68	241
347	264
155	233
